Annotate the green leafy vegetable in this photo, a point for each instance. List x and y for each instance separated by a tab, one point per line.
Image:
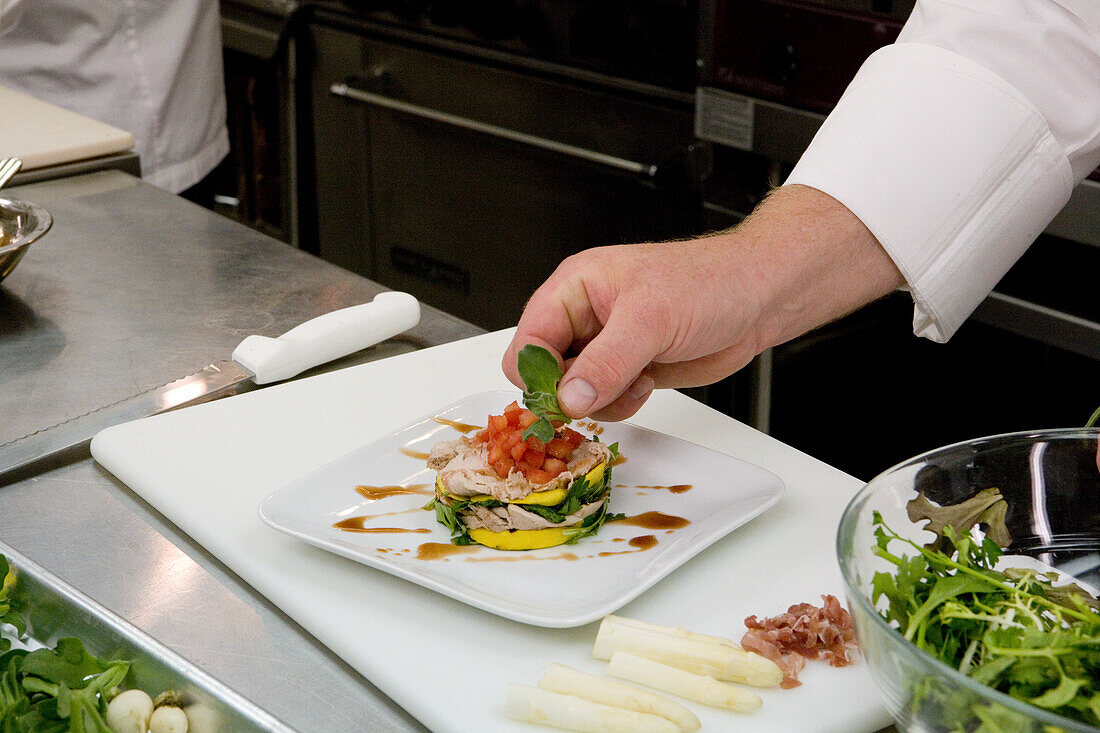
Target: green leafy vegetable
591	524
540	373
8	615
446	513
57	690
1012	630
987	507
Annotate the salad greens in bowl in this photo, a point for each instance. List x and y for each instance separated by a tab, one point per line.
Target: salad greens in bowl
972	572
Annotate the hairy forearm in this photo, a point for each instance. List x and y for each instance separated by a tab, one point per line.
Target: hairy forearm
808	261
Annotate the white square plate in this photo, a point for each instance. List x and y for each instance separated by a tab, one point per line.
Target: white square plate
563	586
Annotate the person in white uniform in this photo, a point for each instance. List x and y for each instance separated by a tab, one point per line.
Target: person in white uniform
950	151
152	68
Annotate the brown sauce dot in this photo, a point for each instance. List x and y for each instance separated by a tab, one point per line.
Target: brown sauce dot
375	493
358	524
459	426
654	520
641	544
440	551
672	489
419	455
619	459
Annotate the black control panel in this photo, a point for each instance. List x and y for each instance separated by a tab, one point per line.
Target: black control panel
798	52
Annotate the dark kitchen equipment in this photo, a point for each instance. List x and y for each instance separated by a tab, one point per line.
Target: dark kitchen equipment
258	181
461	160
770	70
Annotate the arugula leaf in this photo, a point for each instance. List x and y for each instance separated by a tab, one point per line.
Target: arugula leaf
540	373
58	690
987	507
69	663
591	524
446	513
1013	630
550	514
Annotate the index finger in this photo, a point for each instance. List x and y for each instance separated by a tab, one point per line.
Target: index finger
558	317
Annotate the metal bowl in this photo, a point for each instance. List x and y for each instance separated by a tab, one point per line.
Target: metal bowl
1050	483
21	223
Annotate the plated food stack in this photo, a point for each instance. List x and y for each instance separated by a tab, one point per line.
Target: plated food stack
511	492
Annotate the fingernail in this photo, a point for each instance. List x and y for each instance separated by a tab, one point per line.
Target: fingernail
576	396
641	387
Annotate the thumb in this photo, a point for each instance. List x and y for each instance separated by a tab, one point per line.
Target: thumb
607	366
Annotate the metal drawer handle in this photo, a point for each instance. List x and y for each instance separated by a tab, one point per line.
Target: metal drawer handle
342	89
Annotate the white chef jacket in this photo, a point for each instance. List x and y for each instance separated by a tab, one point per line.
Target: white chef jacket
958	144
152	68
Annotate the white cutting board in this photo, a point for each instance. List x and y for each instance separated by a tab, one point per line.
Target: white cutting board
207	468
42	134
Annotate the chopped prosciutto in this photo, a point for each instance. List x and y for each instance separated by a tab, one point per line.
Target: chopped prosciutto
803	632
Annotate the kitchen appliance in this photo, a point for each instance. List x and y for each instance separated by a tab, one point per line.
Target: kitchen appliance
460	153
258	360
770	70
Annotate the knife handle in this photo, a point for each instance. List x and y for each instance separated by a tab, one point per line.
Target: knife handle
328	337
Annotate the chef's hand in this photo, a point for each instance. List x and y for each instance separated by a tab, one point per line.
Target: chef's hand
627	319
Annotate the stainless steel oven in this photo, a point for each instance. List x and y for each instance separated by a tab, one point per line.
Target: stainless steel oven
462	161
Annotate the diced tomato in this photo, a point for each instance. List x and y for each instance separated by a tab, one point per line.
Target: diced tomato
532	459
510	439
512	412
508	450
503	466
497	424
558	448
496	453
553	466
572	437
518	450
539	476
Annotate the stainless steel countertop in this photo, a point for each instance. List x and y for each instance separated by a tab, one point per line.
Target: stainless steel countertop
131	288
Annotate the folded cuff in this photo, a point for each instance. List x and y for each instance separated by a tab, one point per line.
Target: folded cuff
950	167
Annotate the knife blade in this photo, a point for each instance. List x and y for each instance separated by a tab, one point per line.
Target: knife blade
258	360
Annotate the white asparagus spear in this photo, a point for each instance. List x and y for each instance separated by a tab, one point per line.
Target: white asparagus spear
670	630
697	687
698	653
536	705
569	681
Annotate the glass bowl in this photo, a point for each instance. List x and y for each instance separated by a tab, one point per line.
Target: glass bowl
21	223
1050	481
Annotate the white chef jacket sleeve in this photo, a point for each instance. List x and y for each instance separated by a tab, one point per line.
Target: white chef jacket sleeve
958	144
